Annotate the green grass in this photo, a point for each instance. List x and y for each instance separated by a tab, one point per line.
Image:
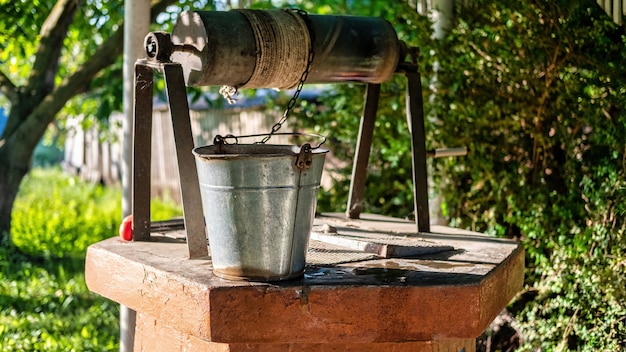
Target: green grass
44	302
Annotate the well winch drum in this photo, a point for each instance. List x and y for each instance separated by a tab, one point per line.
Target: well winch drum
259	206
269	48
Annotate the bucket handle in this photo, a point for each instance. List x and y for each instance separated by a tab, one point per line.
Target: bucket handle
220	140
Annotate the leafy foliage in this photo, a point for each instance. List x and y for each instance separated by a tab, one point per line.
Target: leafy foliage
536	90
16	50
44	303
64	218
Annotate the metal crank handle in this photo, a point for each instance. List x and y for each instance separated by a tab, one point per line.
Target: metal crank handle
446	152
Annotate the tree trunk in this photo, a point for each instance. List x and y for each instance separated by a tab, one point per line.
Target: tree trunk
12	172
35	106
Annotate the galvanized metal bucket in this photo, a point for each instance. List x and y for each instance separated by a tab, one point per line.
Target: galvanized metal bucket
259	203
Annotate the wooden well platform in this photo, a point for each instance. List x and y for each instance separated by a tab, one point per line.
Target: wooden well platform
356	295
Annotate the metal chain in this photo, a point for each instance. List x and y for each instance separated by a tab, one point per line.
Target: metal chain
228	92
303	77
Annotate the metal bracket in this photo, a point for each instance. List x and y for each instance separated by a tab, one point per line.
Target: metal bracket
304	160
362	153
183	138
415	119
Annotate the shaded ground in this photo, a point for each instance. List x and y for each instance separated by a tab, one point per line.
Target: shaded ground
501	335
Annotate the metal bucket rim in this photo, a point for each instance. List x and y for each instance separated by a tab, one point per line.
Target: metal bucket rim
250	151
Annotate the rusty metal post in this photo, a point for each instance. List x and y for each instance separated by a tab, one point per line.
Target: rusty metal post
415	119
362	153
188	175
142	152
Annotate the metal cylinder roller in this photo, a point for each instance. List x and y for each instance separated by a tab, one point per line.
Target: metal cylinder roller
270	48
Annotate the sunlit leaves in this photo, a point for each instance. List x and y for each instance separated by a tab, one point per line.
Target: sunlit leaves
44	302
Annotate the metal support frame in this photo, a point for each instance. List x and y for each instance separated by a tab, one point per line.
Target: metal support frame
190	189
415	120
142	152
142	156
362	153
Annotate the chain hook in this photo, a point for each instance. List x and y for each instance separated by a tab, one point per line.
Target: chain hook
303	77
304	160
221	140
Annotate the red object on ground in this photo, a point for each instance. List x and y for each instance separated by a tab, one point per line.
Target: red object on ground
126	228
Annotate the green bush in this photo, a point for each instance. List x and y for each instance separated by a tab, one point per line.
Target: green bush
44	302
536	91
58	216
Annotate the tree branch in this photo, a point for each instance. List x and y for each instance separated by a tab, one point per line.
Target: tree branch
52	34
8	88
37	122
